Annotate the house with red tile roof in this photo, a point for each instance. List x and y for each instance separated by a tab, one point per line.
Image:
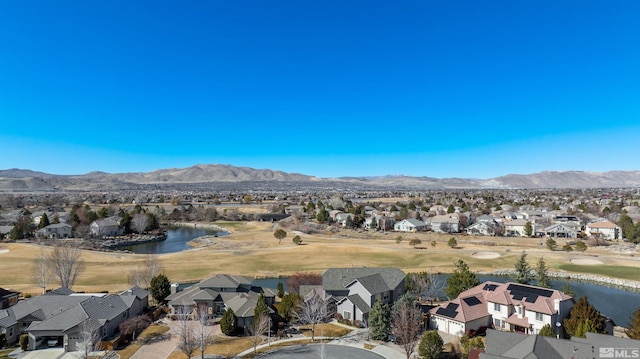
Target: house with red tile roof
503	306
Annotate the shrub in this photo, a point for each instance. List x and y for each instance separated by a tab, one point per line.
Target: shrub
24	342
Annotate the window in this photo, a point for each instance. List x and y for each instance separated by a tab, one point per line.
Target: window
539	317
496	307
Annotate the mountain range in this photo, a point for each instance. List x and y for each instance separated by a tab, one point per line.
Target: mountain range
217	176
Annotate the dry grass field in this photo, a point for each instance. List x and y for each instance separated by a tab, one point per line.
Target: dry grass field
252	250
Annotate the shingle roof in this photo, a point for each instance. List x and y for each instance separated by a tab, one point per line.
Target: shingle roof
336	279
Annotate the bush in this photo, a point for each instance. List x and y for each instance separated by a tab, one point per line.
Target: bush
24	342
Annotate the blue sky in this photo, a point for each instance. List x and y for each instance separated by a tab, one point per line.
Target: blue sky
472	89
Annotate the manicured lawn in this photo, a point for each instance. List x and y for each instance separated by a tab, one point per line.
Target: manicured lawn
605	270
325	330
151	332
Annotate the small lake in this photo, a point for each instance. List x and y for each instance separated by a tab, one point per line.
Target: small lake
177	239
615	303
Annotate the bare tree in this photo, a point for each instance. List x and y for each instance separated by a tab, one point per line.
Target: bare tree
259	326
186	336
150	268
406	325
41	272
313	310
66	265
89	339
202	332
139	222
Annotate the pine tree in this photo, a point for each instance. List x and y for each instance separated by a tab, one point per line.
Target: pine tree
547	331
379	321
523	272
460	280
229	322
634	325
581	312
542	274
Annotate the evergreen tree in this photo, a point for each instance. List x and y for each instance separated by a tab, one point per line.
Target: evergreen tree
430	346
44	221
229	322
633	331
543	274
582	311
160	287
380	321
523	272
262	308
460	280
547	331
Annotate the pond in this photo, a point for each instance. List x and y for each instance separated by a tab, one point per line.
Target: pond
177	239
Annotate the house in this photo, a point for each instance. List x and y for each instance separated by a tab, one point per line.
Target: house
515	228
218	293
356	290
505	306
56	230
504	345
603	230
8	298
562	230
106	227
410	225
64	316
447	223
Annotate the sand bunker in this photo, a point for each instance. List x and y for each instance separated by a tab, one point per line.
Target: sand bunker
4	251
586	261
485	255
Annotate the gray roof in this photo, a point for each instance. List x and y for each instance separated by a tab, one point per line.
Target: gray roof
336	279
374	283
225	281
359	303
501	345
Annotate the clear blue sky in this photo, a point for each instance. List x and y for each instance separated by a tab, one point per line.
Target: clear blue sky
473	89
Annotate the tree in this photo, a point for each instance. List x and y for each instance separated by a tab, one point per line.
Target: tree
160	287
581	312
280	234
523	273
528	229
135	325
414	242
379	321
452	242
280	289
460	280
406	325
542	273
66	265
229	322
139	222
430	345
187	343
551	244
41	271
633	331
287	305
547	331
581	246
259	326
297	240
44	221
313	310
